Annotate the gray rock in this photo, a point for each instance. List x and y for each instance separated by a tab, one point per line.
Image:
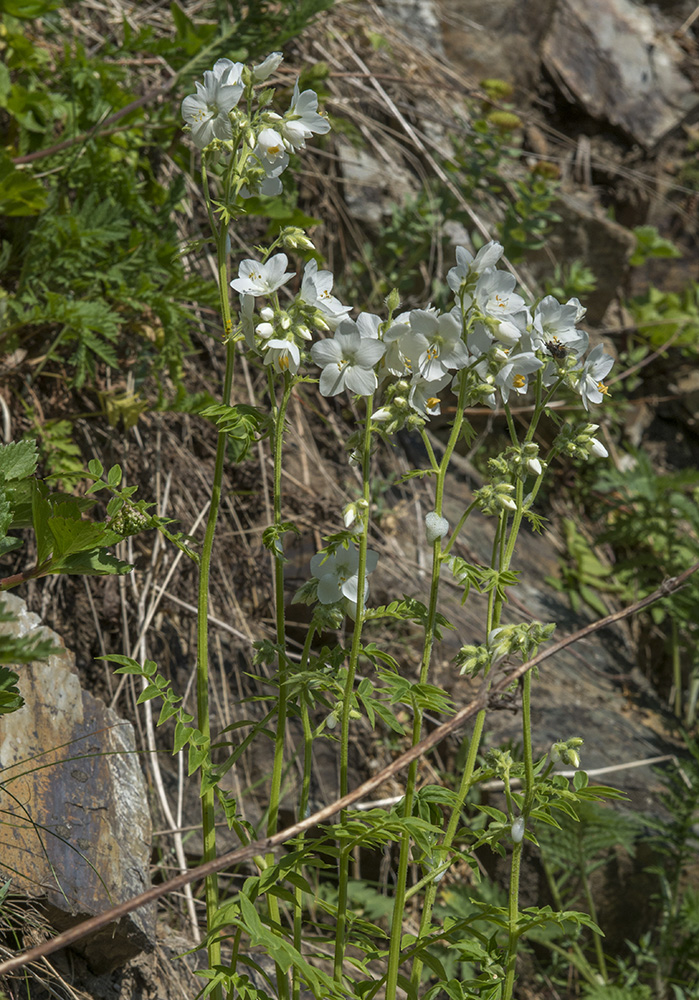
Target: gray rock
370	188
77	826
417	19
586	234
610	57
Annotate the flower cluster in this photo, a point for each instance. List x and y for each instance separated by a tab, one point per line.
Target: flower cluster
213	114
489	341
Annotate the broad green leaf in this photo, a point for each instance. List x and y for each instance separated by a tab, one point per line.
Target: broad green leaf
18	459
95	563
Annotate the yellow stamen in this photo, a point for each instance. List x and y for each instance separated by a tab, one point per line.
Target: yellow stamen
518	381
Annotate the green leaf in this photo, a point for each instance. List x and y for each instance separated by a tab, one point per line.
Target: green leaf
181	737
10	698
114	476
97	563
72	536
28	8
18	459
20	194
128	665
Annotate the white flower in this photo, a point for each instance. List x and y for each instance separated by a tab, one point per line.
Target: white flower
229	72
553	327
273	157
435	526
316	290
283	355
467	265
302	119
264	331
597	449
207	111
434	344
255	278
513	374
338	574
368	325
590	386
265	69
423	395
396	361
270	149
348	361
504	310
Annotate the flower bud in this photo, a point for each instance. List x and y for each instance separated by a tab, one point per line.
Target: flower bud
267	314
384	413
265	69
393	300
435	526
597	449
264	330
349	515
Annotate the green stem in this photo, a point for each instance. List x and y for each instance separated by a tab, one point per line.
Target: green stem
344	858
596	940
394	952
303	809
513	906
202	686
445	846
278	766
676	668
283	696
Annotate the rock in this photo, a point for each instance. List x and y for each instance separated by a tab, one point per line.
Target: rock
585	234
370	187
77	827
609	57
496	38
418	20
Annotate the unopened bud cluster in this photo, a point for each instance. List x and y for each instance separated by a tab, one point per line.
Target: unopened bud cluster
567	751
523	639
494	498
580	442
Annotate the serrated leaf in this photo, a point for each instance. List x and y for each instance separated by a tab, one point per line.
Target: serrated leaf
72	536
97	563
18	460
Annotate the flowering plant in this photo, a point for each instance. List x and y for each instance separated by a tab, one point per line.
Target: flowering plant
487	346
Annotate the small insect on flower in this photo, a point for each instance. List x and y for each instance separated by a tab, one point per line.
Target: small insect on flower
556	349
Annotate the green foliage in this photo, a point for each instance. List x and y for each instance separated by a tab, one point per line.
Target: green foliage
663	316
584	577
571	281
240	423
90	247
653	523
649	245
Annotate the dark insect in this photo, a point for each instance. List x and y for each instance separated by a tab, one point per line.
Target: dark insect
556	349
